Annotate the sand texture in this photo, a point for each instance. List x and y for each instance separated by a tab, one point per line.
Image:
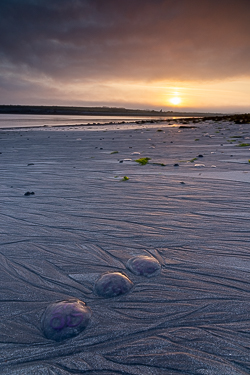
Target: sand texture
84	219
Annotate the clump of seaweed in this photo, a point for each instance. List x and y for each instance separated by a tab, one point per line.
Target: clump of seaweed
192	160
143	161
125	178
114	152
161	164
243	144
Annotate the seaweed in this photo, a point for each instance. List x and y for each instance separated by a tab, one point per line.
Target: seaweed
161	164
143	161
243	144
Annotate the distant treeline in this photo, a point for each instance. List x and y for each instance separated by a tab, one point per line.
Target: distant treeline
101	111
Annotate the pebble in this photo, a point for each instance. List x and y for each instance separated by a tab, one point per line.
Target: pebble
29	193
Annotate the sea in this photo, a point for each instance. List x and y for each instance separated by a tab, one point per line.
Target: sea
14	121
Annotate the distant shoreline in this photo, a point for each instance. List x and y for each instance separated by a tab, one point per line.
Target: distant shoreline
94	111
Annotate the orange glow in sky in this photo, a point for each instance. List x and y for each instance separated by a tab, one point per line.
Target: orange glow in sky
187	55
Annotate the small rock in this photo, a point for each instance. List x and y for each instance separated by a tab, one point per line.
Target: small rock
199	165
29	193
176	165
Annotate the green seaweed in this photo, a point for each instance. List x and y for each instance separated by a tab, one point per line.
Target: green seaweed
125	178
243	144
161	164
114	152
197	139
192	160
143	161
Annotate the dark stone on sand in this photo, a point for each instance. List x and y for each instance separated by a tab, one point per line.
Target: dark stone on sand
30	164
29	193
200	156
176	165
112	284
65	319
144	266
121	161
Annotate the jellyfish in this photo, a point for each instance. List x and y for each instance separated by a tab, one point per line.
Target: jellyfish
65	319
144	266
112	284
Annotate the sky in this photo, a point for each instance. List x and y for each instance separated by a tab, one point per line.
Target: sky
181	55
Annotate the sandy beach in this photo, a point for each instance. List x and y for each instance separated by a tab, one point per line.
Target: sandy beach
188	208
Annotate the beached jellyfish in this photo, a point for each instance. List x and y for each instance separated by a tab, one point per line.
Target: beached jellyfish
144	266
65	319
112	284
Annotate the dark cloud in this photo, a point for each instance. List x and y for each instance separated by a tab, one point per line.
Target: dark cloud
126	39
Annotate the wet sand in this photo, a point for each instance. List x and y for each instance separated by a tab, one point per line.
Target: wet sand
191	214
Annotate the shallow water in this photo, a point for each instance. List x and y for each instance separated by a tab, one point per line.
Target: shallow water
27	121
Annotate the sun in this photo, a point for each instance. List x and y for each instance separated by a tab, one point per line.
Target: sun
176	100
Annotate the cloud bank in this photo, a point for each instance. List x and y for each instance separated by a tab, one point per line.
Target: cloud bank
43	42
184	39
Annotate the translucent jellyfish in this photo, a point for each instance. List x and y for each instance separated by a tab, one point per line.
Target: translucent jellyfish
65	319
144	266
112	284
